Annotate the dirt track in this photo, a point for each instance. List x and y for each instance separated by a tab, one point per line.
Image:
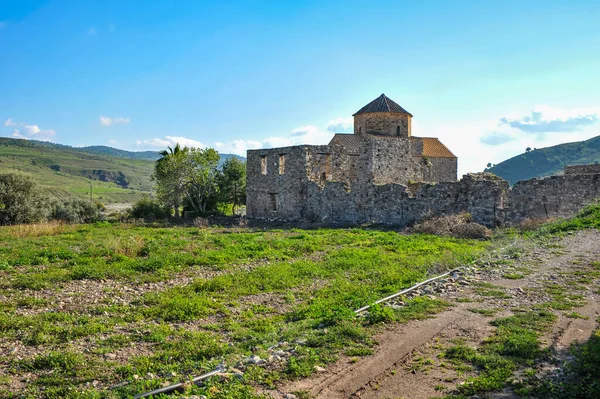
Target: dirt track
397	369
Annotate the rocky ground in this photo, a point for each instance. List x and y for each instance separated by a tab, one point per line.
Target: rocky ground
408	361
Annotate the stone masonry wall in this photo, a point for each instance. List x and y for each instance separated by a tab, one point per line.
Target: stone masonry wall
552	197
326	184
389	160
383	124
274	195
582	169
438	169
486	197
393	204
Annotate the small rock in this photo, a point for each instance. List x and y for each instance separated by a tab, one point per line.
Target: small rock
150	376
110	356
319	369
171	374
290	396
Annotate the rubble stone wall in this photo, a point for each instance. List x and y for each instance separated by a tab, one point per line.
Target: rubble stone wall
383	124
582	169
328	185
552	197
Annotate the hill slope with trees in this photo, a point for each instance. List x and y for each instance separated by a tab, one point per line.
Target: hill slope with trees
548	161
64	171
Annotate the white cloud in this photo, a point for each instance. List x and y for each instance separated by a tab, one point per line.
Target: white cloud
544	119
307	134
109	121
26	131
112	142
31	129
496	138
341	125
168	141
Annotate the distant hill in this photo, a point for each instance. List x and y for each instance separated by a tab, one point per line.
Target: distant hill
548	161
115	175
115	152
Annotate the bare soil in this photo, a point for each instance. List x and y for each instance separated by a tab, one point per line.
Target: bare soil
405	363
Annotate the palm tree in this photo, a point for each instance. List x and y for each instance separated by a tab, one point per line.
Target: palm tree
167	174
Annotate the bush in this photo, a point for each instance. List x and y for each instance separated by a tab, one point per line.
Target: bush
533	224
147	208
201	222
75	211
21	200
460	226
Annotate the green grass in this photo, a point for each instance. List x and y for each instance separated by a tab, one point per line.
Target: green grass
589	217
309	281
515	343
580	378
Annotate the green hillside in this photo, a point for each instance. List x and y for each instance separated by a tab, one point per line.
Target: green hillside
115	175
547	161
65	171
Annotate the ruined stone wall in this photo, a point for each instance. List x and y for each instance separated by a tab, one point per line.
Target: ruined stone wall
582	169
389	160
438	169
383	124
393	204
552	197
328	184
271	194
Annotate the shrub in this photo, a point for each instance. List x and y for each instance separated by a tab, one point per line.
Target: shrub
21	200
460	226
201	222
147	208
75	211
533	224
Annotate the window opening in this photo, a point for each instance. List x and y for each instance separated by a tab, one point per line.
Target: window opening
273	201
263	164
282	164
397	130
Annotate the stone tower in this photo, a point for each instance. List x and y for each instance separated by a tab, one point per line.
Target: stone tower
383	117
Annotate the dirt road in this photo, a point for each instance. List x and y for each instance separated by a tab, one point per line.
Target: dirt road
405	363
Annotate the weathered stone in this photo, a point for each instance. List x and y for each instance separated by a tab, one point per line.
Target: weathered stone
382	174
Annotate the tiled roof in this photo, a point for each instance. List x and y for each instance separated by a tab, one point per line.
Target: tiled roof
432	147
382	104
350	142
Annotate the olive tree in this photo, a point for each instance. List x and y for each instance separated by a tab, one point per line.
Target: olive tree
21	200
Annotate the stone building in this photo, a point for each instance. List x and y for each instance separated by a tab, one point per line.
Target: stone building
282	182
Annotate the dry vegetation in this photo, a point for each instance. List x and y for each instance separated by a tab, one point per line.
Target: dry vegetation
459	226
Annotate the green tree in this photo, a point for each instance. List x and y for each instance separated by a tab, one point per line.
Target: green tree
169	174
21	200
201	179
232	183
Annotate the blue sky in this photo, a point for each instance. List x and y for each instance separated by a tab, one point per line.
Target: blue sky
488	78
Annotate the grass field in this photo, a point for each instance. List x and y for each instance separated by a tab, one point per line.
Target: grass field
87	306
66	172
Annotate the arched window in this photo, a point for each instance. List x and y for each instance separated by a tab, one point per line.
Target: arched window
359	129
398	130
